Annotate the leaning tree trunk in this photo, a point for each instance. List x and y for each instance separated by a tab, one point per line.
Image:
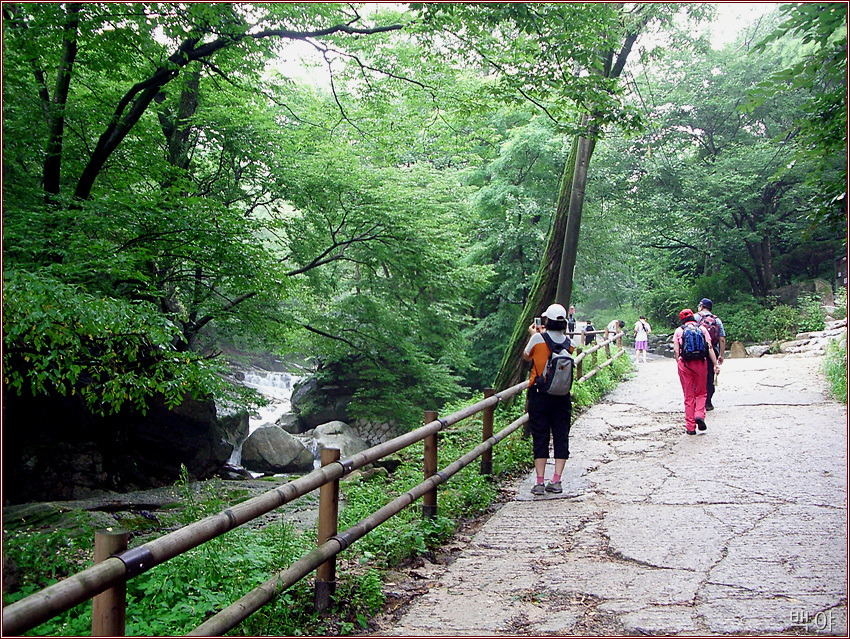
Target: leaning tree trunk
511	370
564	292
554	280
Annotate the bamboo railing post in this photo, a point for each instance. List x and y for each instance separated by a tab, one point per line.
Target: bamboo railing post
580	364
486	433
109	608
429	499
327	528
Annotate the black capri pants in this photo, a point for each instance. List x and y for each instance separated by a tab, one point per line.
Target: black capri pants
549	415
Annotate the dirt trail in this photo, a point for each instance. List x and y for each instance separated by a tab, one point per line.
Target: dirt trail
741	530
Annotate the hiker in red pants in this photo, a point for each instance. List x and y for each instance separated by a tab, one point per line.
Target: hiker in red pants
692	349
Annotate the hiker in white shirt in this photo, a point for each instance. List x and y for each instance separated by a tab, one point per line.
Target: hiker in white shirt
641	332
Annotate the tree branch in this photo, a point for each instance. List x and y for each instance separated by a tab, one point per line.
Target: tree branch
136	101
206	319
10	14
329	336
56	121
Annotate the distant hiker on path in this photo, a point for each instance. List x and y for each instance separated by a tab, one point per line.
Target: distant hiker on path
691	348
714	324
614	327
589	333
548	413
571	321
641	332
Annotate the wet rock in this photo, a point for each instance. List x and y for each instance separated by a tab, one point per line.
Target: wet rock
339	435
45	458
272	449
390	463
366	475
11	575
316	404
234	422
289	423
230	471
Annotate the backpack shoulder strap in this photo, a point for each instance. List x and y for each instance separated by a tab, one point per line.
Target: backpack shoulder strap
554	347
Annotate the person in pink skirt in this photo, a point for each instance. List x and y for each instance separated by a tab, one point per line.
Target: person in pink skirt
641	332
693	372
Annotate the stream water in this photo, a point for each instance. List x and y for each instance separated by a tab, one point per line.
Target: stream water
277	388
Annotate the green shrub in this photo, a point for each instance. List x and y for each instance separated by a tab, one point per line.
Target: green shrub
59	339
591	391
812	315
751	320
744	320
835	369
783	323
662	304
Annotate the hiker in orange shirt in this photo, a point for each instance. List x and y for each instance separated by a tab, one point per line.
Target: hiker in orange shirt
548	413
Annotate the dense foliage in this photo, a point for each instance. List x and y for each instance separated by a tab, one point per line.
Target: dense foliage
187	196
174	186
820	75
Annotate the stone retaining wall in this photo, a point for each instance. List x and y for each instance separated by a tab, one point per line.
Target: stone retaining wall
374	434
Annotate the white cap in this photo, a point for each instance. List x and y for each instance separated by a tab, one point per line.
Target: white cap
556	312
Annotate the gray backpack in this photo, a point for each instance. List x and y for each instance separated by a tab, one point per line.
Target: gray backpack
557	377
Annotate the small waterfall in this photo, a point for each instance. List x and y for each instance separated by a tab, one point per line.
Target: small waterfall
313	446
277	388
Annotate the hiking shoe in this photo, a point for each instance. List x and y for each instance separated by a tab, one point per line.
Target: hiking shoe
537	489
700	423
709	406
554	487
690	432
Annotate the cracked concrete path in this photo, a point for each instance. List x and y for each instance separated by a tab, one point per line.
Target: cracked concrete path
741	530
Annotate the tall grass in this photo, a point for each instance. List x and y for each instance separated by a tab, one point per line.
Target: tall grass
835	368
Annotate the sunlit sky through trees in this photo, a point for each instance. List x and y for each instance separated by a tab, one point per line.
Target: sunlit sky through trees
302	61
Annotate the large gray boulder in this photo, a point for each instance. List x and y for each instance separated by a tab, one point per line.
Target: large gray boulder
289	423
271	449
339	435
190	434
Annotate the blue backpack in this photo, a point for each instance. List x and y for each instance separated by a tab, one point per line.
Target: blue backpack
694	347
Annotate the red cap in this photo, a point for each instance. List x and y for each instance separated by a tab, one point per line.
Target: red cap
685	313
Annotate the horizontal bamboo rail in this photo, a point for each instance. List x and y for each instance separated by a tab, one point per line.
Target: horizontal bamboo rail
237	612
596	347
41	606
